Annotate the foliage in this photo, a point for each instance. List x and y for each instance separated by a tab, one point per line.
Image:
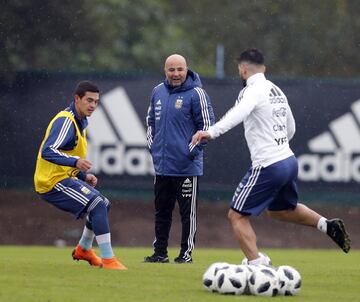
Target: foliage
299	38
44	35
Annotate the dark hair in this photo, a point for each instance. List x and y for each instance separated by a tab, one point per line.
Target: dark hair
85	86
251	55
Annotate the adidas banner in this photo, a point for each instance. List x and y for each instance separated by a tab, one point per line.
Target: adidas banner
327	139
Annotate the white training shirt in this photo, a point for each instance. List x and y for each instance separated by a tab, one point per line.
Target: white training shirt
268	121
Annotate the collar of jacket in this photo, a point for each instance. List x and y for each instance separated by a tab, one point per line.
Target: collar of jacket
192	81
82	123
254	78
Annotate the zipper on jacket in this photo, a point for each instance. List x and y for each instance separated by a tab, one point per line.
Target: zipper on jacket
164	133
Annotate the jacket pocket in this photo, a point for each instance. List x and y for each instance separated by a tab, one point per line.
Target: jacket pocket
194	150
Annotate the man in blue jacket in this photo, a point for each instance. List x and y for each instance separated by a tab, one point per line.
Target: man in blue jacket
179	107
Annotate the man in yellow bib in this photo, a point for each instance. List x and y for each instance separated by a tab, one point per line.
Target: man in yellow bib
61	177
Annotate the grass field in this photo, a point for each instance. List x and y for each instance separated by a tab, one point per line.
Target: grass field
49	274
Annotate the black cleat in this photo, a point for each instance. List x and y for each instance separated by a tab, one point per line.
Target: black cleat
183	259
156	259
336	231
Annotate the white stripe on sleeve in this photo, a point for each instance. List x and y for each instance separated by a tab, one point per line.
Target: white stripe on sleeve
204	108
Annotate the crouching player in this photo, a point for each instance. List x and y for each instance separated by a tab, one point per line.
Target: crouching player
61	177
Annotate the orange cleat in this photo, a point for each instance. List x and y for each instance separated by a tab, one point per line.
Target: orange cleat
80	254
113	263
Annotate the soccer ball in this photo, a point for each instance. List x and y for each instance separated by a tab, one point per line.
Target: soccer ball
265	260
210	274
232	280
290	280
250	269
264	281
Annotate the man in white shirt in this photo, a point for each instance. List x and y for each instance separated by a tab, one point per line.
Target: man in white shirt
270	183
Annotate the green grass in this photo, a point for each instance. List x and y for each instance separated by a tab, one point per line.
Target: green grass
48	274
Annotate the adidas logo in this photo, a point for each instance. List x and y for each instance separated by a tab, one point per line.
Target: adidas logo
337	158
187	183
186	190
117	138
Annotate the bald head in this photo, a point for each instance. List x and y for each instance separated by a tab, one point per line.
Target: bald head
175	59
175	69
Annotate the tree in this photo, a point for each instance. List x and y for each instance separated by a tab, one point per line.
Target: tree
299	38
43	35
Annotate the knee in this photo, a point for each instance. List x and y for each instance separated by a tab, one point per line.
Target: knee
233	216
99	205
107	203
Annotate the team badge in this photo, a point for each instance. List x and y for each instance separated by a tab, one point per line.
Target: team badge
178	103
85	190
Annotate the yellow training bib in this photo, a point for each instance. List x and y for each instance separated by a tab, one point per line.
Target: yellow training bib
48	174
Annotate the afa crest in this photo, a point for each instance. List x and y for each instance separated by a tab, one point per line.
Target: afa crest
85	190
178	103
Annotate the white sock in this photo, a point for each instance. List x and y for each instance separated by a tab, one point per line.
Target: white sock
88	233
86	239
104	243
322	225
263	259
256	261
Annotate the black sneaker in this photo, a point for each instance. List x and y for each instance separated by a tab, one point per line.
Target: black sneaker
336	231
156	259
183	259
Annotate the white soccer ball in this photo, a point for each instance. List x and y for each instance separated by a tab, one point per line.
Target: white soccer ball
265	260
250	269
232	280
290	280
264	281
210	274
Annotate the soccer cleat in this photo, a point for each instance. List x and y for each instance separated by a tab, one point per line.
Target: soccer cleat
336	231
113	263
156	259
183	259
80	254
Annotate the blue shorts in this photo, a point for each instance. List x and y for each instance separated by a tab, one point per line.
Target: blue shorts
273	188
72	195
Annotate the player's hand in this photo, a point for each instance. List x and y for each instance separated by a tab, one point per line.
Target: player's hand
91	179
83	164
199	136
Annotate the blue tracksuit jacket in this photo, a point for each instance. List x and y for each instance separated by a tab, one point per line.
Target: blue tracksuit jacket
174	116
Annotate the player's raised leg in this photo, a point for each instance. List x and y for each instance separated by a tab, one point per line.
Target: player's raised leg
302	214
